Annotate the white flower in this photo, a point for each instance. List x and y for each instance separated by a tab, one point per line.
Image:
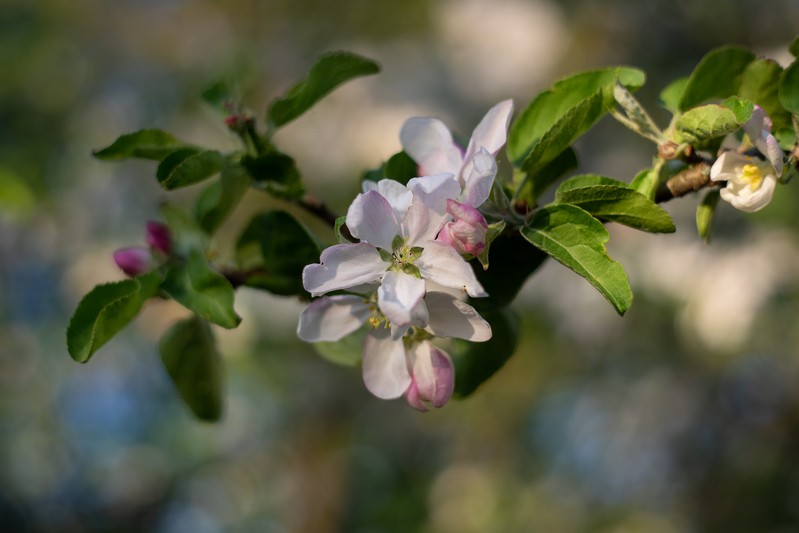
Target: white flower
397	227
428	142
390	368
750	180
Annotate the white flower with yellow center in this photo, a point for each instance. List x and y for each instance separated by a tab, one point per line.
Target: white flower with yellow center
750	180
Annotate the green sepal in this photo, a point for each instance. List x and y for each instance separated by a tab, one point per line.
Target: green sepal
704	214
494	230
189	354
330	71
274	249
277	173
476	362
550	107
143	144
105	310
340	222
611	200
718	75
197	287
577	240
188	166
218	200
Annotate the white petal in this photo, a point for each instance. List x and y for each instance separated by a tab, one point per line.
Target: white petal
435	190
725	165
429	143
343	266
371	219
750	201
441	264
450	317
385	370
332	317
478	177
491	133
400	299
394	192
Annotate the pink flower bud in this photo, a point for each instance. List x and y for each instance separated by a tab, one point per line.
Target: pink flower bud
133	261
432	377
158	237
467	232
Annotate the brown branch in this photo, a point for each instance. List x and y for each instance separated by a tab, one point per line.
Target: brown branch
686	181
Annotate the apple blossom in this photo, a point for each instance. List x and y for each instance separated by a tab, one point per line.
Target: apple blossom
393	366
758	129
750	180
134	260
397	226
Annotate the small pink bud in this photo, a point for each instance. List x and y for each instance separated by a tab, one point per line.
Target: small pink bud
158	237
133	261
432	378
467	232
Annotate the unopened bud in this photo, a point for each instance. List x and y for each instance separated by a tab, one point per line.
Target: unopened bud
432	378
467	232
158	237
133	261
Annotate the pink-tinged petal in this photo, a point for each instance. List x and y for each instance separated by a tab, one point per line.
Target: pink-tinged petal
395	192
451	317
758	122
134	261
770	148
413	399
429	143
158	237
435	190
343	266
400	299
491	133
467	213
371	219
433	374
478	177
443	265
467	233
331	318
385	370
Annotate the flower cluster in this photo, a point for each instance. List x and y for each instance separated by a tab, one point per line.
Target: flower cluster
406	277
136	260
751	180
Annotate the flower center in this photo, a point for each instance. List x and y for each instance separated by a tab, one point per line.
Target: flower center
377	319
752	176
403	258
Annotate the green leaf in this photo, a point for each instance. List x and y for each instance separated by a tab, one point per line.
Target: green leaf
329	72
197	287
276	173
646	182
671	95
704	213
532	187
550	106
220	95
219	199
789	88
718	75
399	167
611	200
104	311
275	247
340	237
710	121
512	262
188	166
562	134
192	361
143	144
760	84
794	47
475	362
347	351
577	240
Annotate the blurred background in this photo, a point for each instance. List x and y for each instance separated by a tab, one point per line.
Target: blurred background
682	416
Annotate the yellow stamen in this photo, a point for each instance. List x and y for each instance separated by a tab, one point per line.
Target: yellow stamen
751	175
